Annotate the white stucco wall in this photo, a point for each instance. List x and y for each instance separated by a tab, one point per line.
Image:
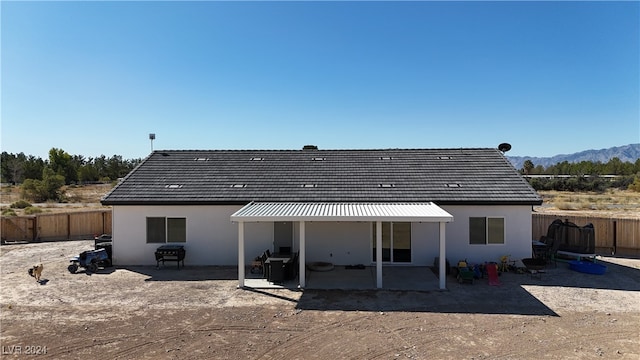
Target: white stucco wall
517	233
341	243
212	239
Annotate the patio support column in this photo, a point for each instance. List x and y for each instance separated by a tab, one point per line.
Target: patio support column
301	258
241	254
379	254
443	259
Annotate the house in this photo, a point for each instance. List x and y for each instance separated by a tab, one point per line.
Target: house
405	206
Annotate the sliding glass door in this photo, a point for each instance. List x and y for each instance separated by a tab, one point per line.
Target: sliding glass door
396	242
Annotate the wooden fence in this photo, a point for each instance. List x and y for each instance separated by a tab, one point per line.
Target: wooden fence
613	235
63	226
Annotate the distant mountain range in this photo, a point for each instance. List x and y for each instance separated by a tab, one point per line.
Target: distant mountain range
626	153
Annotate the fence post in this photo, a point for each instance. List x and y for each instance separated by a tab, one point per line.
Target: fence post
34	228
615	237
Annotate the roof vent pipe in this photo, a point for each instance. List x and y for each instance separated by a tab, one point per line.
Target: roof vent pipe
310	147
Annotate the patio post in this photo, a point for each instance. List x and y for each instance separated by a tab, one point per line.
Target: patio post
443	260
301	258
241	254
379	254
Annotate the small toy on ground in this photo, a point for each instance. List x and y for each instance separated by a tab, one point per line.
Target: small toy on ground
587	267
492	273
465	274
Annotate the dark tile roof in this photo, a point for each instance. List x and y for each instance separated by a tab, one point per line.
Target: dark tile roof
444	176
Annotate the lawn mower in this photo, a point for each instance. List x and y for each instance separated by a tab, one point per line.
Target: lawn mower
90	260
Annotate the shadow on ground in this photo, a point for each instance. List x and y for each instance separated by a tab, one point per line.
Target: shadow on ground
511	297
189	273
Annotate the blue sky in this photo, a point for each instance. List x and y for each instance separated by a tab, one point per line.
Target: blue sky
96	78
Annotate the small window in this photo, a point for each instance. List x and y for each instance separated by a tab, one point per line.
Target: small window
165	230
156	230
318	159
257	158
386	185
201	159
444	157
173	186
386	158
308	185
453	185
486	230
176	230
238	185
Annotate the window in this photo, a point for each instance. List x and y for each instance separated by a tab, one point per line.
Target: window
486	230
166	230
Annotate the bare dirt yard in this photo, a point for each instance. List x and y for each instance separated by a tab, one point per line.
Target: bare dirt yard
199	313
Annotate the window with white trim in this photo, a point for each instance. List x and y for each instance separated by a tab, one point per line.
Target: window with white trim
486	230
166	230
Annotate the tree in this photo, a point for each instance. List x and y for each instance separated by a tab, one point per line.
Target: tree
12	168
62	164
46	189
528	166
33	167
635	186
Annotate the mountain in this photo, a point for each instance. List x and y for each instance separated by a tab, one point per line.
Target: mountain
626	153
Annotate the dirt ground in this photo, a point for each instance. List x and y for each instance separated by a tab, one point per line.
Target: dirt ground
198	313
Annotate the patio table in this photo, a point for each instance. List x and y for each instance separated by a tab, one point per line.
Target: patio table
277	258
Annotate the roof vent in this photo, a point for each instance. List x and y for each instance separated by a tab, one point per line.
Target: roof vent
453	185
173	186
386	185
310	147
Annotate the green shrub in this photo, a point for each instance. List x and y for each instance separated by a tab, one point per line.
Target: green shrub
8	212
49	188
20	204
32	210
635	186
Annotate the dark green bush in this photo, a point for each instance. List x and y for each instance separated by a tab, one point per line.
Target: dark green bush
20	204
8	212
32	210
635	186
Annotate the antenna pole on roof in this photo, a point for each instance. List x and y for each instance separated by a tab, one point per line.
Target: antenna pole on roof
152	137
